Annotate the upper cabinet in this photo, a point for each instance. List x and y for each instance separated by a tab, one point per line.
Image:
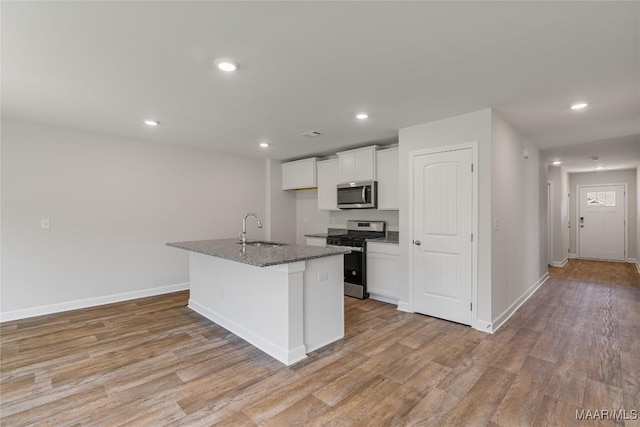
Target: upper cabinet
388	184
327	184
299	174
357	165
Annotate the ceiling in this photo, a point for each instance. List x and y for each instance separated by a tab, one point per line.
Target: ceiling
107	66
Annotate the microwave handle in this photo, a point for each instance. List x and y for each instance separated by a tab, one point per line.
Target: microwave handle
364	194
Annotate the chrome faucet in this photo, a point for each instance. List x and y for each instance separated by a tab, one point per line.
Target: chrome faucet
243	234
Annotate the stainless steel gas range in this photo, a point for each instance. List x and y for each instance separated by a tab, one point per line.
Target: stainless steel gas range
355	263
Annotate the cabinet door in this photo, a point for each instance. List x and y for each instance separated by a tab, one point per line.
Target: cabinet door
358	164
388	179
327	185
347	164
382	274
365	165
299	174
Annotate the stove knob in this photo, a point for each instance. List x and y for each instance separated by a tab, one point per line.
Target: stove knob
353	273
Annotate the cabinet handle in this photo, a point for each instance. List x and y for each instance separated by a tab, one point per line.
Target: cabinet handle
417	242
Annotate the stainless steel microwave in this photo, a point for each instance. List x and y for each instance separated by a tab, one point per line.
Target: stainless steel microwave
358	195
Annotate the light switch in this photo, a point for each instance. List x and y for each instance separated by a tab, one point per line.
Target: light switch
322	276
44	223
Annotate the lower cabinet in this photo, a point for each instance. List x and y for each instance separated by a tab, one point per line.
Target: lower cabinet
316	241
382	271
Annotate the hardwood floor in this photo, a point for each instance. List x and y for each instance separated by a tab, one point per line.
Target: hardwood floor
574	345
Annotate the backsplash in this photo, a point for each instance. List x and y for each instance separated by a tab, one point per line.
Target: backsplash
339	218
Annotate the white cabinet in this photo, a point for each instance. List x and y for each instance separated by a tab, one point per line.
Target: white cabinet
388	179
358	164
316	241
382	271
327	184
299	174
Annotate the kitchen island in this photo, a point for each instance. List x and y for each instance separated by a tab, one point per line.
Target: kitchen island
287	300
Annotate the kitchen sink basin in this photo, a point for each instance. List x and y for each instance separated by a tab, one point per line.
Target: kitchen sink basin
263	244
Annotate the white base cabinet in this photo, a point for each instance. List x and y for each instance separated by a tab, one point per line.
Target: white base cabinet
316	241
382	271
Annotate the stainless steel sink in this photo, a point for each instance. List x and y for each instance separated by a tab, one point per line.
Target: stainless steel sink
260	243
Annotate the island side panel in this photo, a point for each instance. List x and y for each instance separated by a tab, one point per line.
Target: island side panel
252	302
323	301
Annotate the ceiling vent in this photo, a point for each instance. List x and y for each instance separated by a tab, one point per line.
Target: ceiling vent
312	133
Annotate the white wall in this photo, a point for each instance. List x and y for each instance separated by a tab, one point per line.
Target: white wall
339	218
309	220
113	203
280	222
451	131
564	212
519	209
607	177
638	217
560	213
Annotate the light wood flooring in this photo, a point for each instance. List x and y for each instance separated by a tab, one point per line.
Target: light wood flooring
575	344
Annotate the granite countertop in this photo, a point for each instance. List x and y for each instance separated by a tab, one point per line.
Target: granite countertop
260	256
391	237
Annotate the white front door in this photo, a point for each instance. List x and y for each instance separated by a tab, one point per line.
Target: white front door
442	226
601	224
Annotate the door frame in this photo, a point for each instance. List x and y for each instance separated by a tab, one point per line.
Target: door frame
626	217
473	145
550	237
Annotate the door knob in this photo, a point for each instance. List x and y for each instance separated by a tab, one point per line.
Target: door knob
417	242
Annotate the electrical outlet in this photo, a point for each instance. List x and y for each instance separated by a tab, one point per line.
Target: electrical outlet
45	224
322	276
496	224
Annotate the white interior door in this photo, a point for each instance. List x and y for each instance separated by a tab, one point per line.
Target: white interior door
442	226
601	222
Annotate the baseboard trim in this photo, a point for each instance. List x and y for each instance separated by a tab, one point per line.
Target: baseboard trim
404	306
89	302
573	256
383	298
560	264
501	320
482	326
284	355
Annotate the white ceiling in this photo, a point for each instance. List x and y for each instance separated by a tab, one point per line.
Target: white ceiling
106	66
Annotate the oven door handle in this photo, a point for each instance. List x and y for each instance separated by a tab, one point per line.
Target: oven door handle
353	249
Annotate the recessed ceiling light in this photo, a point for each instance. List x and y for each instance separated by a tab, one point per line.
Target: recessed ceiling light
151	122
599	168
579	106
362	116
557	163
226	64
264	145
